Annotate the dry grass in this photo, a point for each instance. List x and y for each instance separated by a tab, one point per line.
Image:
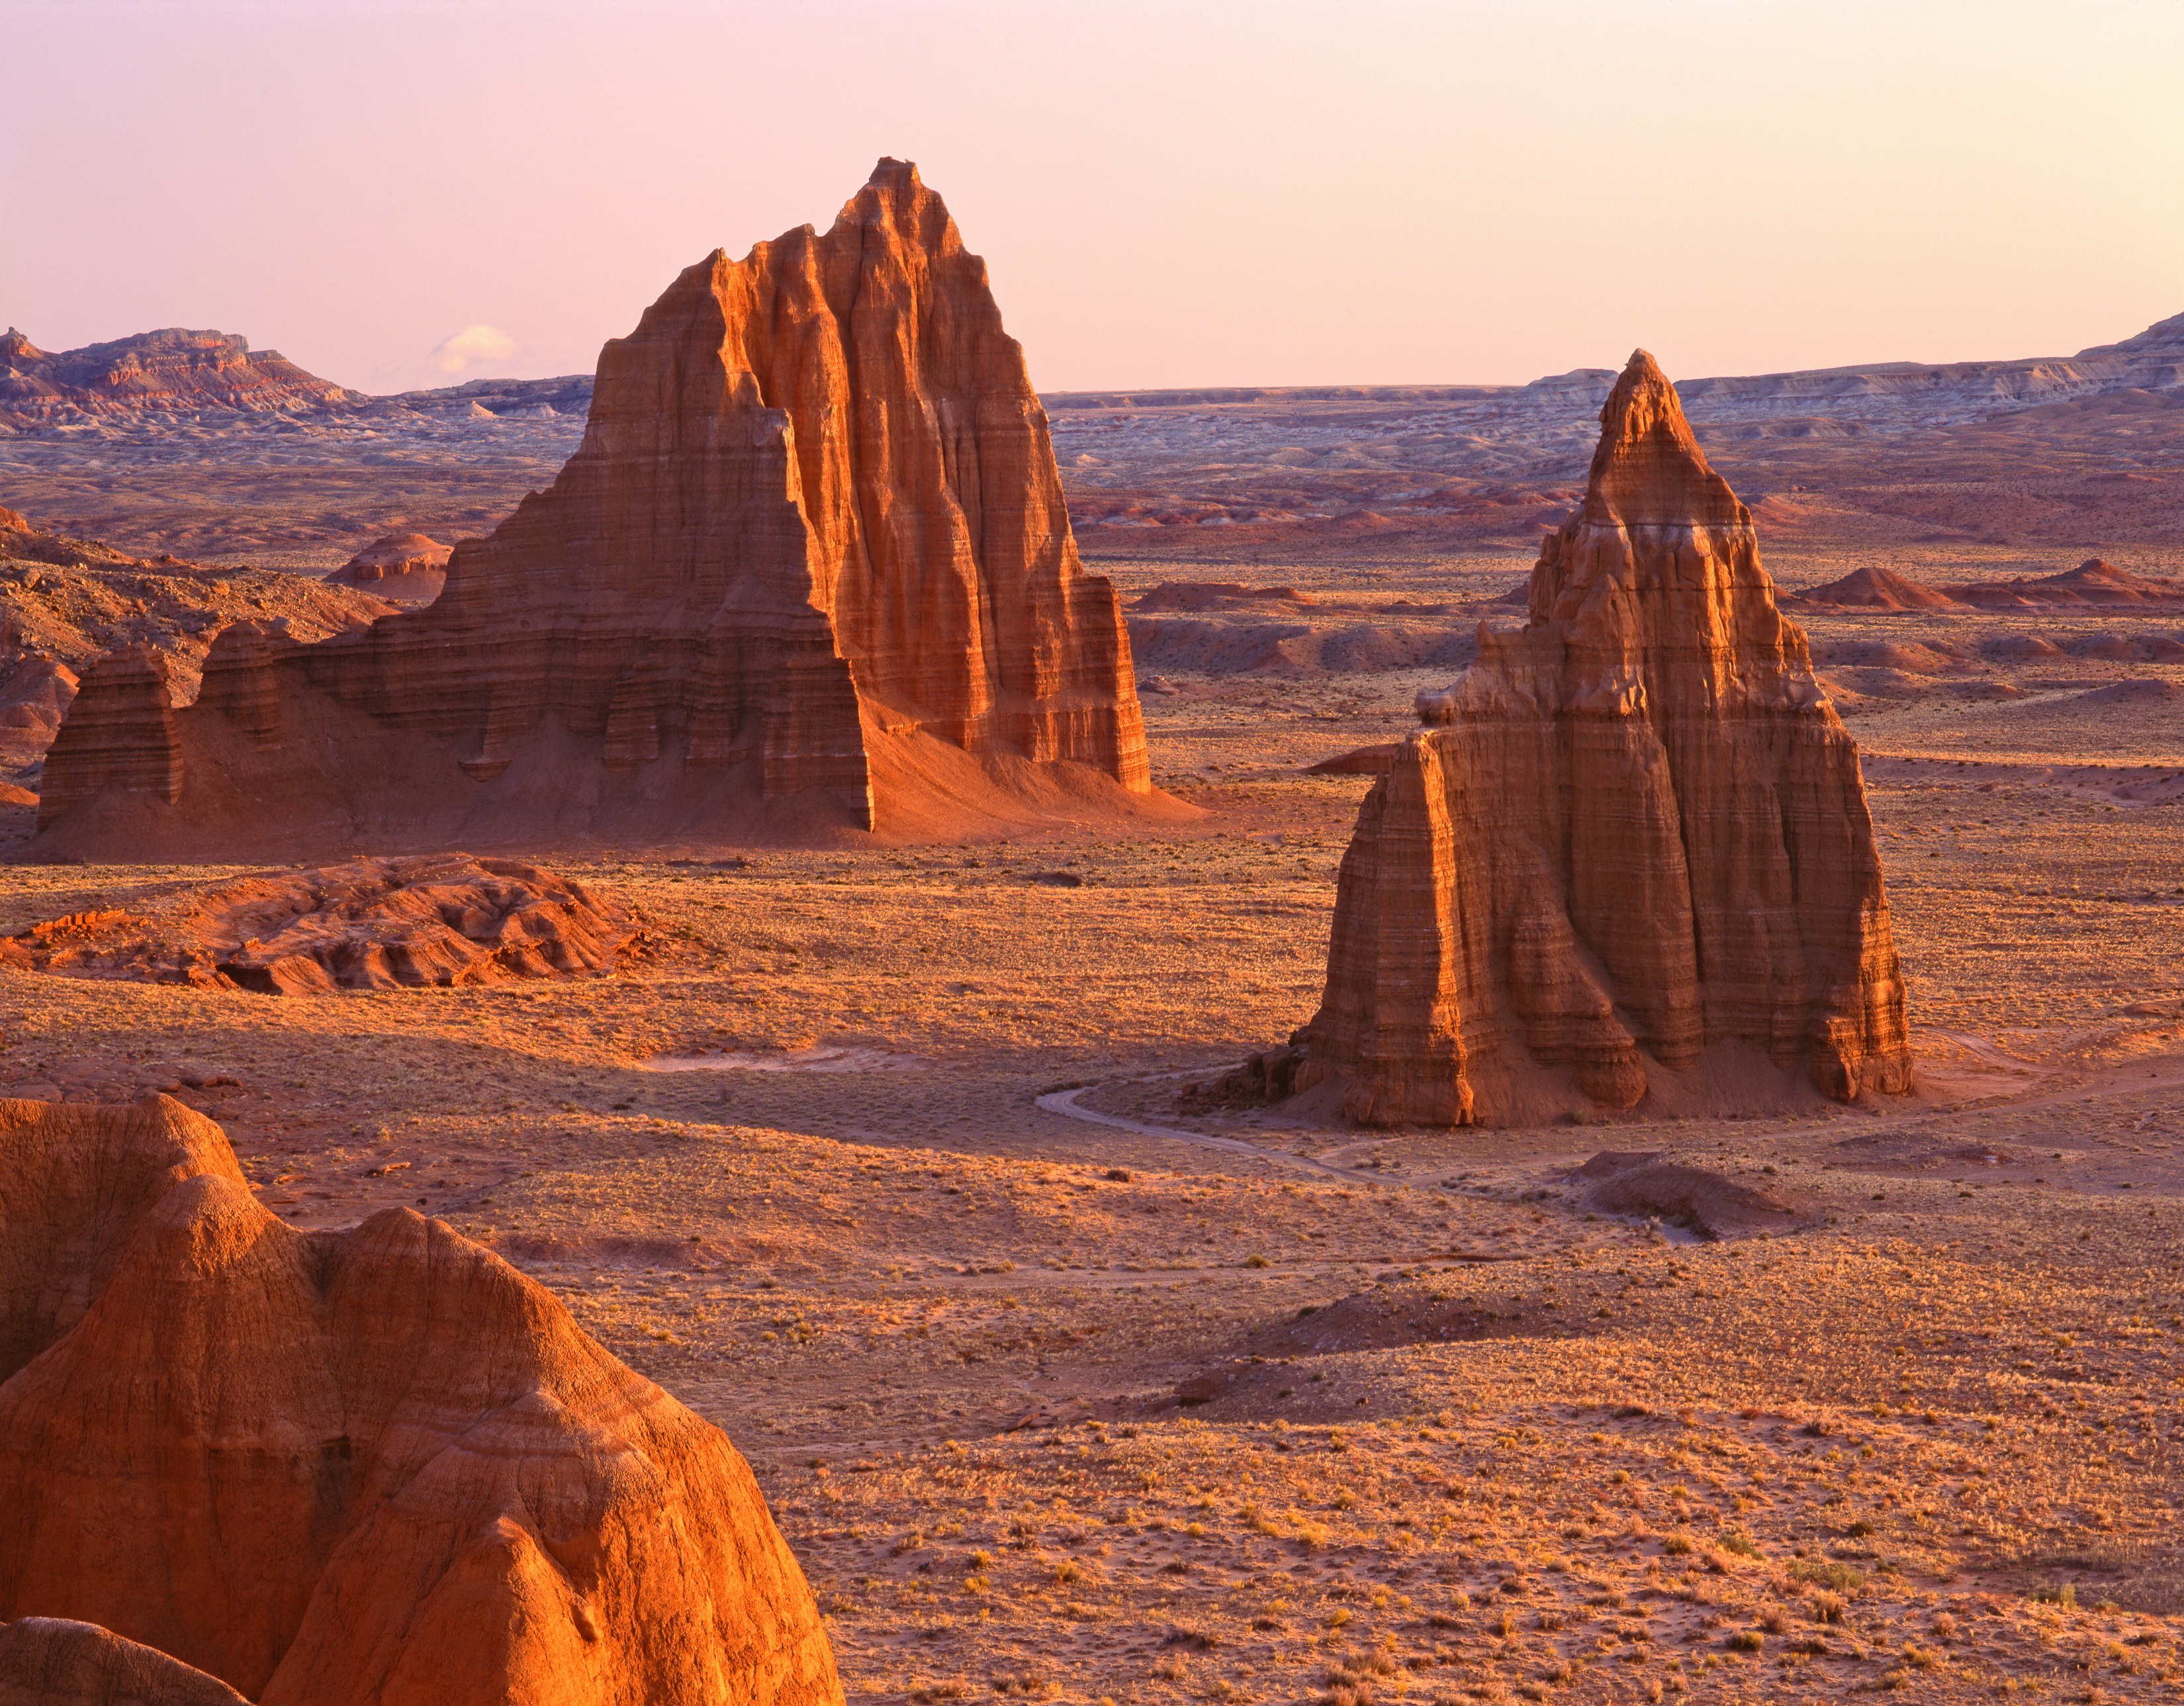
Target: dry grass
1929	1444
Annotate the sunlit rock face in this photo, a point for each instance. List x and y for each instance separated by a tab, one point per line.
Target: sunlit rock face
815	519
364	1466
1633	831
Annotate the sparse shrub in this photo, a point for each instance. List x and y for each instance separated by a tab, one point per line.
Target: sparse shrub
1257	1261
1828	1573
1859	1529
1826	1608
1745	1641
1923	1657
1737	1541
1677	1546
1945	1626
1773	1622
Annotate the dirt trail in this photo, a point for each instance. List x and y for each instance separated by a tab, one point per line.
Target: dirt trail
1064	1102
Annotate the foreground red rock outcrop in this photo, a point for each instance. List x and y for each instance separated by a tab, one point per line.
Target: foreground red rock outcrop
377	1465
1631	849
810	571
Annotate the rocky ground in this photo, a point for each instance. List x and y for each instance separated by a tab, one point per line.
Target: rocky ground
1463	1436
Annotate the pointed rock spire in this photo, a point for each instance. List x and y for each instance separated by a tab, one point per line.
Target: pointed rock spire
1632	857
1648	470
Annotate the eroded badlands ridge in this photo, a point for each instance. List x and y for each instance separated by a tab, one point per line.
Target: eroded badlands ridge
371	1465
1634	835
810	562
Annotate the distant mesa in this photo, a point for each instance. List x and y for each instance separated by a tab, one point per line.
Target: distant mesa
409	567
149	373
434	920
338	1468
1631	854
810	574
1876	590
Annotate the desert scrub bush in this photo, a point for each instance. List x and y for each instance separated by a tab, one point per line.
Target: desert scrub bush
1170	1668
1737	1541
1745	1641
1826	1608
957	1689
1828	1573
1678	1545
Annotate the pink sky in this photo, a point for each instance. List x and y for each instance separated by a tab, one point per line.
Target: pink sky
1179	194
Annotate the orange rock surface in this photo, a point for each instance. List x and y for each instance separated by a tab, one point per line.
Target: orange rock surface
814	532
119	733
400	565
1633	835
430	920
372	1465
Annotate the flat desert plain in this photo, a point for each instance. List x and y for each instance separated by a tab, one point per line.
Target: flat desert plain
1060	1391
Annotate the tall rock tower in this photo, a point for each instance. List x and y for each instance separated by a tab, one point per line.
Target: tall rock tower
815	514
1634	830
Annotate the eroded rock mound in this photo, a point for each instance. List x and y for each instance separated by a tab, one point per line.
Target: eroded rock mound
1631	846
2094	581
429	919
346	1467
400	565
1645	1182
1878	589
811	567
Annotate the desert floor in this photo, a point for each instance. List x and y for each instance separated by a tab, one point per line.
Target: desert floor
1461	1439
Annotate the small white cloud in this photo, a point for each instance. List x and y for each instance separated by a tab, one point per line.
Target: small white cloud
472	343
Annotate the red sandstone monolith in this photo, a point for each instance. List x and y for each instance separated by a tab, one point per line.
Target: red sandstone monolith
1633	831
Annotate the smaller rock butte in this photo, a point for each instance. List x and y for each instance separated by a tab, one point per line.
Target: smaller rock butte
340	1467
428	920
1631	848
810	571
400	565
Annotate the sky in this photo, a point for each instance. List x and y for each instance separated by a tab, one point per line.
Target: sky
399	193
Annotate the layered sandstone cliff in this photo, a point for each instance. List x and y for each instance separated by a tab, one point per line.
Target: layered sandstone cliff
1634	832
813	530
375	1465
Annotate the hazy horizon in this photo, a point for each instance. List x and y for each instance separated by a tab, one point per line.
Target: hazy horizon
399	195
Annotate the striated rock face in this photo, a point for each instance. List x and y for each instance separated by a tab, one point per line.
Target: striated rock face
430	920
362	1466
400	565
119	733
814	529
1633	831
